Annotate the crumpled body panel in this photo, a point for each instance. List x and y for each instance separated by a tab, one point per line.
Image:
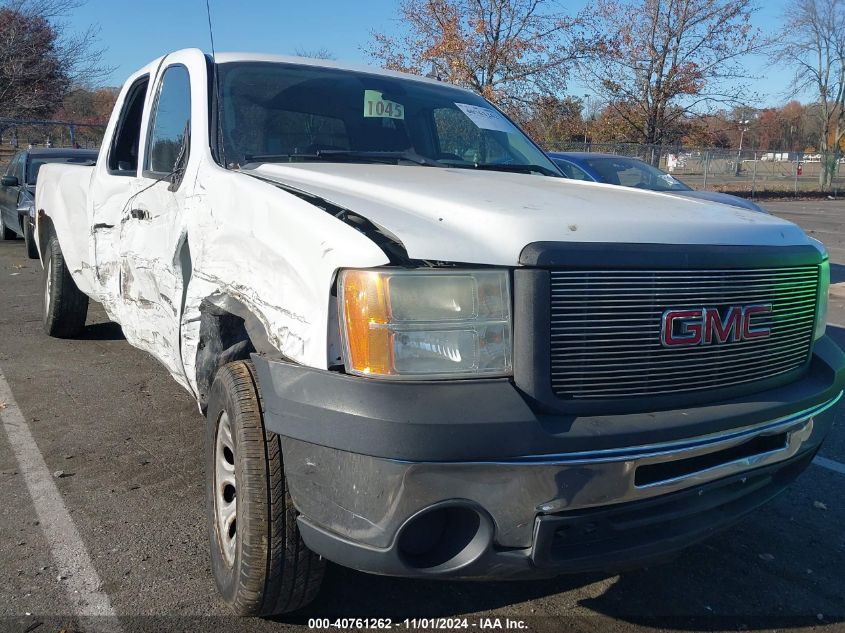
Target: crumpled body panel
152	253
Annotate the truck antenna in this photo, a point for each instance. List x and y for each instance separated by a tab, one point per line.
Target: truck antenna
215	88
210	29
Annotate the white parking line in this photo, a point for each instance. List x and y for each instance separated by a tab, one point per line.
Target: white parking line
830	464
80	579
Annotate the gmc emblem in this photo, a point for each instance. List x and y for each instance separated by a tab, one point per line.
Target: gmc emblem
706	326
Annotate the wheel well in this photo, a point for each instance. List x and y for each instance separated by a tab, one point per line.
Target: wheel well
45	230
226	334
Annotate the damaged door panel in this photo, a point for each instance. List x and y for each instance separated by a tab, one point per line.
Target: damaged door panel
153	223
114	184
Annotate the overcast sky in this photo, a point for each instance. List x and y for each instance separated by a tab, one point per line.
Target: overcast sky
140	32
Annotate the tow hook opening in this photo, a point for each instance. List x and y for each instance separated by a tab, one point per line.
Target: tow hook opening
444	538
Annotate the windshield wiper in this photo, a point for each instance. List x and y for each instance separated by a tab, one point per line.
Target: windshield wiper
345	155
519	169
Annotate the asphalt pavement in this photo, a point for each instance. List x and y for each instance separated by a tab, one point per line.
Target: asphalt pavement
122	545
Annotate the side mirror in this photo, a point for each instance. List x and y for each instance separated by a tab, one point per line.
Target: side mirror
9	181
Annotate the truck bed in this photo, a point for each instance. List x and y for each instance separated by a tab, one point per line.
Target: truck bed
62	193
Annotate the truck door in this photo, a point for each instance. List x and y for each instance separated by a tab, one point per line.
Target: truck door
112	187
152	247
9	194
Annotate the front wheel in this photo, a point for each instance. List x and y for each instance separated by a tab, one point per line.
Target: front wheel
260	563
65	305
29	238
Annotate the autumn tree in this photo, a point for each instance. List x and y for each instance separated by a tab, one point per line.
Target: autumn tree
552	119
796	126
39	59
88	106
667	60
511	51
709	130
814	45
609	127
768	130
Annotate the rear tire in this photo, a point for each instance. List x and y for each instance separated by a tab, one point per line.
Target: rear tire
260	563
5	232
29	239
65	305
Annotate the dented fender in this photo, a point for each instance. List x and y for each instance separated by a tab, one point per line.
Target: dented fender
268	256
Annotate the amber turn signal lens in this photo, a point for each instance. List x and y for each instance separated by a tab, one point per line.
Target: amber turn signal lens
365	310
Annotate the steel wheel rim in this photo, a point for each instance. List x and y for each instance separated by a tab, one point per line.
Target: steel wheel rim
225	490
48	287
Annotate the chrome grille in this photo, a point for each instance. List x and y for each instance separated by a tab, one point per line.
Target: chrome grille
605	329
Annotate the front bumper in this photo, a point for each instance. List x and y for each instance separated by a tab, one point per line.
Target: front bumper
375	469
612	538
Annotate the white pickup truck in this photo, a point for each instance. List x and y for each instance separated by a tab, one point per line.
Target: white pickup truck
422	352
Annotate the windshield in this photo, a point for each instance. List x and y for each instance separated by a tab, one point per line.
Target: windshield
276	112
631	172
37	162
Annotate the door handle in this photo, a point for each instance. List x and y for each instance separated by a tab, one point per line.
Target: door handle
140	214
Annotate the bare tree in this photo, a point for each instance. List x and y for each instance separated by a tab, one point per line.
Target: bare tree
317	53
666	60
511	51
814	45
40	59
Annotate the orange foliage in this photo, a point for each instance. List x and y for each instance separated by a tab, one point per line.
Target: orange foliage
511	51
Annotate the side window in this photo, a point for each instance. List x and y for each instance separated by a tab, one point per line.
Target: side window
572	171
608	170
21	168
123	154
12	169
633	176
34	167
170	123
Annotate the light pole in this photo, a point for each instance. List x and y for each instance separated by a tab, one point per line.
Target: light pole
743	128
586	118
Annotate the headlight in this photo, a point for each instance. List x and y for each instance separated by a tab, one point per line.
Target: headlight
426	323
824	289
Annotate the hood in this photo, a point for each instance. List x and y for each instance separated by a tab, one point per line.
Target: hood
488	217
722	198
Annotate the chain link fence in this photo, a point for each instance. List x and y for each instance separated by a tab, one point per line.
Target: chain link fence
16	135
744	172
748	172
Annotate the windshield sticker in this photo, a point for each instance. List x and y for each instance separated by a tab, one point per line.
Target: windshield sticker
486	118
376	106
671	180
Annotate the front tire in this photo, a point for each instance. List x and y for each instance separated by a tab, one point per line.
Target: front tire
260	563
29	238
65	305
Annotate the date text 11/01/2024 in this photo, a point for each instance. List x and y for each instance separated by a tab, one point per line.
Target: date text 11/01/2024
445	624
